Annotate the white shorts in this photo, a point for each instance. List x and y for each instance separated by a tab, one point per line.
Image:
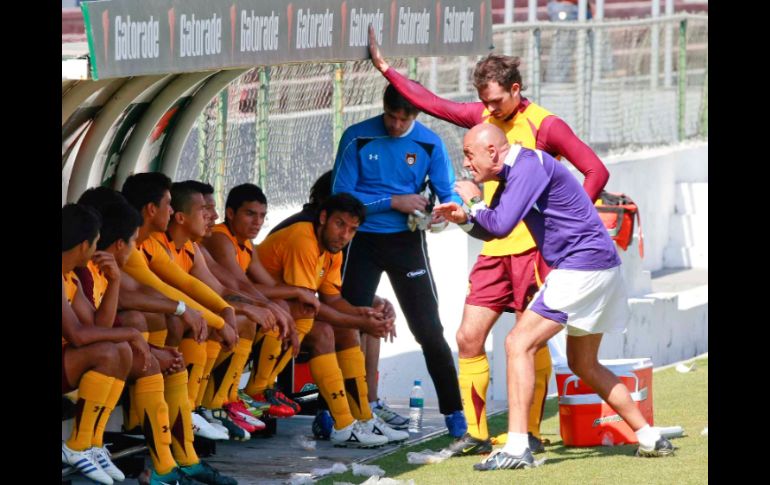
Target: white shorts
587	302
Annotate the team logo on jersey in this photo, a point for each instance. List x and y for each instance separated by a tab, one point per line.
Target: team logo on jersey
411	158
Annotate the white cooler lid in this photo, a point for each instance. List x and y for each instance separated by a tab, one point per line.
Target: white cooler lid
618	366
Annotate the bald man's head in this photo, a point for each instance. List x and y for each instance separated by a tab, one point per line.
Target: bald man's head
485	147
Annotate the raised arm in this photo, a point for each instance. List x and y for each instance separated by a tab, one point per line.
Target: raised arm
466	115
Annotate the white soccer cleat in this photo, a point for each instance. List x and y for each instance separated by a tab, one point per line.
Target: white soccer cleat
103	457
379	427
356	435
204	429
84	463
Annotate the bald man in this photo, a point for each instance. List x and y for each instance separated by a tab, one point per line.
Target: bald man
584	292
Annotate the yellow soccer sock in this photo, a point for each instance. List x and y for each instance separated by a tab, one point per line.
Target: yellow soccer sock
130	416
473	377
542	375
328	377
109	405
303	328
158	337
93	390
238	362
266	354
151	405
180	419
353	367
219	377
213	350
195	359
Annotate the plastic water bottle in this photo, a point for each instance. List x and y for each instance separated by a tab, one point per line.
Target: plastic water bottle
416	402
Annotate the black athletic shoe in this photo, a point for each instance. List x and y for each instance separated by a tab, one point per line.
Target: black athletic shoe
500	460
535	445
663	447
467	445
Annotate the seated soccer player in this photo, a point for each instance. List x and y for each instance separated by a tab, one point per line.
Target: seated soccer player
308	255
231	247
140	307
319	192
149	399
189	223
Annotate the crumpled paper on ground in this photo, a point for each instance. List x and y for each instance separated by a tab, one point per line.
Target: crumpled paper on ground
303	442
426	457
336	468
376	480
367	470
300	479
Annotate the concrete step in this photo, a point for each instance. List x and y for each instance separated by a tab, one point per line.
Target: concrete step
692	198
688	230
685	257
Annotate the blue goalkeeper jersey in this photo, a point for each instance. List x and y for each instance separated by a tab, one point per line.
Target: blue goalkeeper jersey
372	166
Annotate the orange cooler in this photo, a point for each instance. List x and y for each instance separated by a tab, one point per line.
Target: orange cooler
586	420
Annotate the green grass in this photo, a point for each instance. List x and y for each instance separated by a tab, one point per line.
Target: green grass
679	399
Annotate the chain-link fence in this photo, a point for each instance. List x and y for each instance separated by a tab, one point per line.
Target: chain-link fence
619	85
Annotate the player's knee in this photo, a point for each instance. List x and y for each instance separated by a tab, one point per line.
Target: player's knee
466	339
346	338
155	321
515	344
134	319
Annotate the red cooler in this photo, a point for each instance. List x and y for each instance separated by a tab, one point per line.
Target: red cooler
586	420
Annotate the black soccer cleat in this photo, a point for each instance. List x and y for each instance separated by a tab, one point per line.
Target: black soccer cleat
467	445
501	460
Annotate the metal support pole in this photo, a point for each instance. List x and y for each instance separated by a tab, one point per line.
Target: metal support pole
654	45
339	105
507	20
202	158
598	42
412	72
682	75
263	114
704	105
580	72
433	77
668	41
533	73
220	147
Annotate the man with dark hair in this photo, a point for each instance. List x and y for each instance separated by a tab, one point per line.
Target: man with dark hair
141	307
509	270
231	246
384	162
95	360
308	255
222	373
319	192
149	193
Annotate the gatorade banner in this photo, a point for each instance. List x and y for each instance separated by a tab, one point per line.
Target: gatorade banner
130	38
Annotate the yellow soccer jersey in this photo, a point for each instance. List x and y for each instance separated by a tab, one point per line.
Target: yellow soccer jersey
292	257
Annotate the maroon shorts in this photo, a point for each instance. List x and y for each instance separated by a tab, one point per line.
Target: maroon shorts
65	386
505	283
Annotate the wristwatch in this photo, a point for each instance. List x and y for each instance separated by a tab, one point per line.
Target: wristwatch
180	308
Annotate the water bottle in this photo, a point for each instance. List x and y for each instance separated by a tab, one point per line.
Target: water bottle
416	401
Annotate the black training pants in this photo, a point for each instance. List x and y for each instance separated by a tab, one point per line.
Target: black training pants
404	257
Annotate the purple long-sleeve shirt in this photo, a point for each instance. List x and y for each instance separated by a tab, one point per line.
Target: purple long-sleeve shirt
536	188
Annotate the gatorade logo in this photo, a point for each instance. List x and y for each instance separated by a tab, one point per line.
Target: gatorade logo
415	274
